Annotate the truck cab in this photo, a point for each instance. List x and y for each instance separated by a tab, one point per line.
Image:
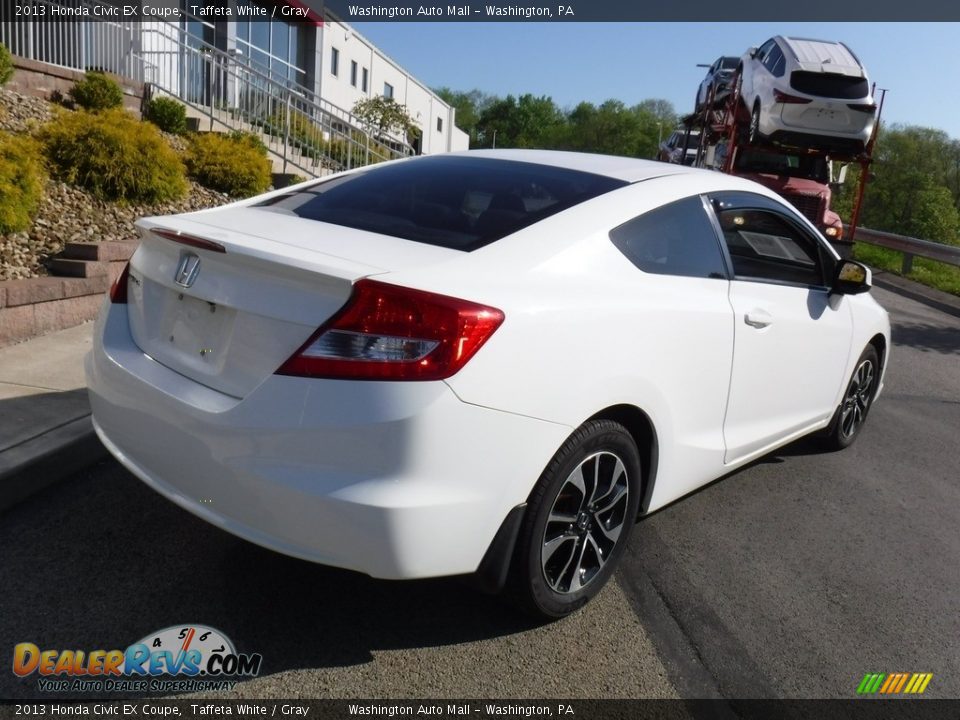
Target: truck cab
803	179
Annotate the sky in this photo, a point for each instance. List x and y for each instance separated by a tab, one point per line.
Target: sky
918	63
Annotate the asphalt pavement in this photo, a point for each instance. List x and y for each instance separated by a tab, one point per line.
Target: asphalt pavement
790	578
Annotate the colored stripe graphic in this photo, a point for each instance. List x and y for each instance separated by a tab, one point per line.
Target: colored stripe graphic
894	683
903	681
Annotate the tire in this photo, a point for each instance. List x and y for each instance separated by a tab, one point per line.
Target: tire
849	417
578	521
754	134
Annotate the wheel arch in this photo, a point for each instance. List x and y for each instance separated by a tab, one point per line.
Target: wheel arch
644	434
879	343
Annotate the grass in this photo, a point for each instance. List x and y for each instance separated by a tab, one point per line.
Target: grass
941	276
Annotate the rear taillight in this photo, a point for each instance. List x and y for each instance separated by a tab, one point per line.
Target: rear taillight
863	107
387	332
118	291
782	97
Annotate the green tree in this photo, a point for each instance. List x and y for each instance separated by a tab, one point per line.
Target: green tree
524	122
469	105
934	216
913	187
611	128
382	116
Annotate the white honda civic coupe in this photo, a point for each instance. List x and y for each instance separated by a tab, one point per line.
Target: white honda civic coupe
487	363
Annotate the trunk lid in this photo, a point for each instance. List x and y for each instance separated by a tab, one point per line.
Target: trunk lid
245	310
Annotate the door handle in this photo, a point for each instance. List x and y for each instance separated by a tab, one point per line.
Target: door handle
758	318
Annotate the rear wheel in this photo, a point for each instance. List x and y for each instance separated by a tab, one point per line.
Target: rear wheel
578	520
849	418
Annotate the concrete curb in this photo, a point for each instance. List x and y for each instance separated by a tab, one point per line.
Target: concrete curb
39	462
937	299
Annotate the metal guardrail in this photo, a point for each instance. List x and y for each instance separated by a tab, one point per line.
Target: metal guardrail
306	132
910	247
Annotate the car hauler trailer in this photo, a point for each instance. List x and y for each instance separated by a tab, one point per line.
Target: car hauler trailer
804	176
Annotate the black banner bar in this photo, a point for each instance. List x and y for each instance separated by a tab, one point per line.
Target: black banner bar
522	11
447	709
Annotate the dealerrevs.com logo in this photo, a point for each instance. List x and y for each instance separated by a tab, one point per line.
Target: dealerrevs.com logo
180	658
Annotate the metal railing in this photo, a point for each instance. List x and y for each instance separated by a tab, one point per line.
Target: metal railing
910	247
307	133
30	30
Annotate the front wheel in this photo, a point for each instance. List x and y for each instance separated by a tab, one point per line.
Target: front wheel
578	520
848	419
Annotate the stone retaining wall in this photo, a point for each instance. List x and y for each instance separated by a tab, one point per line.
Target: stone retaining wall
43	81
35	306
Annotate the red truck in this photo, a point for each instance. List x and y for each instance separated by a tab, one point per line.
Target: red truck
802	179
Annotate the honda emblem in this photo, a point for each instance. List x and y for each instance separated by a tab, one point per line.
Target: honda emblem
187	270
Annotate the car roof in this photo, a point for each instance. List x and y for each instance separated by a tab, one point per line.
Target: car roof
621	168
817	53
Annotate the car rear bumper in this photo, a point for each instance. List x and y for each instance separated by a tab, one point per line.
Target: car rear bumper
826	142
396	480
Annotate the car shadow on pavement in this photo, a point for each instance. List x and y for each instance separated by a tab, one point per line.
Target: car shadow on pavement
926	338
100	561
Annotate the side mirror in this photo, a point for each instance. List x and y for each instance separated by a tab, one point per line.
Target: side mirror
851	278
841	175
752	52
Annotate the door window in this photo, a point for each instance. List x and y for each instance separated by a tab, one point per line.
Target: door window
765	244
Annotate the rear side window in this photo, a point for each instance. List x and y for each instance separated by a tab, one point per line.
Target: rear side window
829	85
676	239
455	202
775	62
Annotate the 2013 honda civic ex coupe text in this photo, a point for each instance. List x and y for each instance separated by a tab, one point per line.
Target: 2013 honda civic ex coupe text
487	362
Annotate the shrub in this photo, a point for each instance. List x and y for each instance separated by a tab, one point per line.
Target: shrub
228	164
22	178
114	156
97	92
249	139
167	114
6	65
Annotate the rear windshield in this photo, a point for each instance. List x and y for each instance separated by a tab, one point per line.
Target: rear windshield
451	201
830	85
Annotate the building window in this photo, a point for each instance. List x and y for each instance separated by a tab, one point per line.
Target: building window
276	49
387	90
364	77
334	62
353	73
439	124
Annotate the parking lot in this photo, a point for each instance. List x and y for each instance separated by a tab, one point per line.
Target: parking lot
790	578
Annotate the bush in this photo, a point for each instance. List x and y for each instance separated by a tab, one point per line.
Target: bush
114	156
167	114
22	179
6	65
97	92
250	140
228	164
